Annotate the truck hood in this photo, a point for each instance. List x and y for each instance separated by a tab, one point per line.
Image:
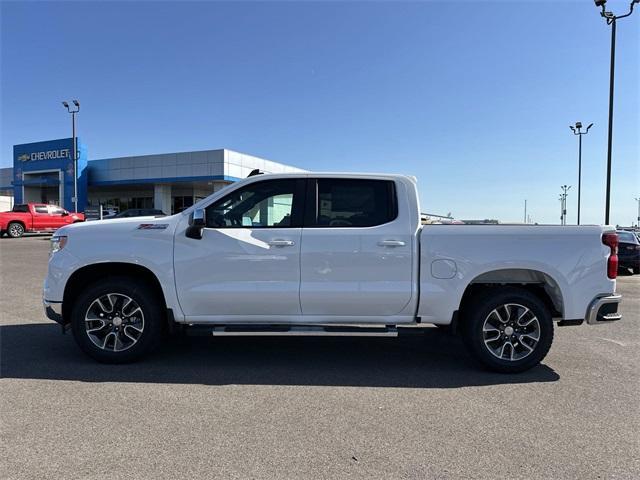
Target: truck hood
143	241
120	226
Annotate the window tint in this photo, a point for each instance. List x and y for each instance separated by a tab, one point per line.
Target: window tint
41	209
355	203
259	205
21	208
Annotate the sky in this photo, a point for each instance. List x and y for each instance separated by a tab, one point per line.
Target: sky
474	98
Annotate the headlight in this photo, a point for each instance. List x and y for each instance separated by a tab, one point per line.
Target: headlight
57	243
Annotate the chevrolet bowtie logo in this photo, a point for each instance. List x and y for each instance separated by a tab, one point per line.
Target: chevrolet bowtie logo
24	157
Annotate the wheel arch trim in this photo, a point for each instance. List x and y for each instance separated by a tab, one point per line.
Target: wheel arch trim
88	273
527	278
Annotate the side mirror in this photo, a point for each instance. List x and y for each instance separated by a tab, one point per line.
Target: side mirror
65	213
198	218
197	222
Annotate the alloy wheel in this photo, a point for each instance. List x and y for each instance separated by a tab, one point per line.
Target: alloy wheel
16	230
511	332
114	322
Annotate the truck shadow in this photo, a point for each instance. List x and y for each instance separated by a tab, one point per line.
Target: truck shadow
432	360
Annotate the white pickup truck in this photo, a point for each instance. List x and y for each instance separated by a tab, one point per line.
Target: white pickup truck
326	254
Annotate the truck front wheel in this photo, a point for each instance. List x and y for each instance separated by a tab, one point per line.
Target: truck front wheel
15	230
117	320
508	330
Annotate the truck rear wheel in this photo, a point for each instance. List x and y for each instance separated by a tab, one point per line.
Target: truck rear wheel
15	230
508	330
117	320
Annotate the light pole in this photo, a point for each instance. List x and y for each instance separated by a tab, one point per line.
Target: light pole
75	150
576	131
638	219
563	202
561	209
611	20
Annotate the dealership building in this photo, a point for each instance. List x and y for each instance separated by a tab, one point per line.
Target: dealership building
43	172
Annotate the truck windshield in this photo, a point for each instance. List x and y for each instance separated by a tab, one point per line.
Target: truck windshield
627	237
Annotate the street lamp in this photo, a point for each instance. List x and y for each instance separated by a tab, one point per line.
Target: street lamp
638	219
561	198
563	203
576	131
611	20
73	112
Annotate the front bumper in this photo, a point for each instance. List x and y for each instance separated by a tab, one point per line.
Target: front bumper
604	309
53	311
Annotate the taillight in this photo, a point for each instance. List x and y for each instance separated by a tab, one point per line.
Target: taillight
611	241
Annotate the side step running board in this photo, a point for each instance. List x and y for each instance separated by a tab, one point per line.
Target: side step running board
291	331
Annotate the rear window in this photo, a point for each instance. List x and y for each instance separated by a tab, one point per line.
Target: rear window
355	203
627	237
21	209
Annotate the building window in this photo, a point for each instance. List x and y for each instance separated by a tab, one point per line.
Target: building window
178	204
120	204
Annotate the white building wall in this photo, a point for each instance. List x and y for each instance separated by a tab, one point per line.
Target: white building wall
240	165
6	203
166	166
184	166
162	198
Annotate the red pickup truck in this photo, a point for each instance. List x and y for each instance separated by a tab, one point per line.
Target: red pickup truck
35	217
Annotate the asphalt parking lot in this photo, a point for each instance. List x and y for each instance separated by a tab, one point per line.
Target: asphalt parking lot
411	407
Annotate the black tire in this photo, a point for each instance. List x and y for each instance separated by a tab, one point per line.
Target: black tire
15	229
636	270
482	308
153	320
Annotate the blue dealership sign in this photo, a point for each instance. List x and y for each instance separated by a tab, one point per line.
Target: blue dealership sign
43	172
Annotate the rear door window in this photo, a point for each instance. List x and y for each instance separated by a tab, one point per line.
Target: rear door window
354	203
41	209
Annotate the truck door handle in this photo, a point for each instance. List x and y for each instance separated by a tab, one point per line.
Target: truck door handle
391	243
281	243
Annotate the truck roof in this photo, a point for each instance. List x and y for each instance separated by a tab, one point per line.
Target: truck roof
334	175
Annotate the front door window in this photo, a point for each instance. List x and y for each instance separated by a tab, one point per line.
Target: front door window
266	204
